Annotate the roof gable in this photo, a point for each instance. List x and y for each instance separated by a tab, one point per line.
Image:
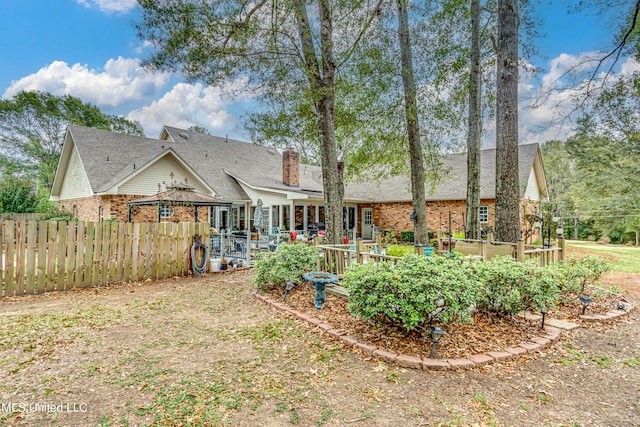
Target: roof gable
160	171
74	184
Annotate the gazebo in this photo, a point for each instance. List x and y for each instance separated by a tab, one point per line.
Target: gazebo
176	195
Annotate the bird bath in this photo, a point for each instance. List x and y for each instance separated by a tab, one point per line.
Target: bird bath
319	280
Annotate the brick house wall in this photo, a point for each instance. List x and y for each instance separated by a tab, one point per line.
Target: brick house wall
149	213
84	209
115	207
397	215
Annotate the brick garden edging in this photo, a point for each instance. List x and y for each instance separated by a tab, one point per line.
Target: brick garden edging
536	344
625	308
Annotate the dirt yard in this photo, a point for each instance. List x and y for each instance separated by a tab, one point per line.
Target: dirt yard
204	351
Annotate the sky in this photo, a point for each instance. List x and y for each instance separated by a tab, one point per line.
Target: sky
89	49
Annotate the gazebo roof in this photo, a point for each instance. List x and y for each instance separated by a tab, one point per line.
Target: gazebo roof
180	194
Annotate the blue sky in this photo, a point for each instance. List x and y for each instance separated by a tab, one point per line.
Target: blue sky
89	49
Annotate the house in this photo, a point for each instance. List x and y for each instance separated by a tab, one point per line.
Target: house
101	174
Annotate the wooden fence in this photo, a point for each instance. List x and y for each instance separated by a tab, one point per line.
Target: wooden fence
22	216
41	256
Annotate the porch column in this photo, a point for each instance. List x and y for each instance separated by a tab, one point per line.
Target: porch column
355	221
317	213
280	216
247	228
292	216
305	212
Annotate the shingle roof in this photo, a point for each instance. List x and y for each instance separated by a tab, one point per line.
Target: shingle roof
106	155
222	161
453	184
254	164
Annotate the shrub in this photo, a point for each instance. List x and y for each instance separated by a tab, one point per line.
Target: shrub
414	293
18	196
287	264
406	235
576	272
508	287
389	236
587	270
544	288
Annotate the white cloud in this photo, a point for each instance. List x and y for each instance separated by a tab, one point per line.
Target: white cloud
565	68
548	111
122	81
144	46
110	6
186	105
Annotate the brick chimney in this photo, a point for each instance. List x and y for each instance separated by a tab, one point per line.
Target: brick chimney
291	168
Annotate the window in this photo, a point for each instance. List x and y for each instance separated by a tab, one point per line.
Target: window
484	214
166	212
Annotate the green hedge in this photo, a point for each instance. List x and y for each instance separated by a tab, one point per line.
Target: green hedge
287	264
406	236
508	287
417	291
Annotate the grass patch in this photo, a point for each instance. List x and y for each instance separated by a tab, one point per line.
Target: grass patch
633	362
400	250
41	334
624	259
270	332
544	397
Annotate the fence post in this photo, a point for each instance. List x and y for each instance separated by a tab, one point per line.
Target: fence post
561	246
490	236
483	248
379	241
520	250
359	250
439	239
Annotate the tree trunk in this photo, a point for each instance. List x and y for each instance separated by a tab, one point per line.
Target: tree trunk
322	88
474	134
413	129
507	222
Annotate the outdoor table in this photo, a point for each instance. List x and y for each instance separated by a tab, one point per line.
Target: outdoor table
320	279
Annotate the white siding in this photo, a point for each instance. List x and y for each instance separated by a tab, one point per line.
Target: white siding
75	183
268	198
532	192
146	182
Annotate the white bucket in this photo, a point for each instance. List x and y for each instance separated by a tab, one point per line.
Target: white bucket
214	264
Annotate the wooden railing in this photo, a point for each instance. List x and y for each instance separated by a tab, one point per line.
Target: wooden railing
41	256
542	255
340	258
490	248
